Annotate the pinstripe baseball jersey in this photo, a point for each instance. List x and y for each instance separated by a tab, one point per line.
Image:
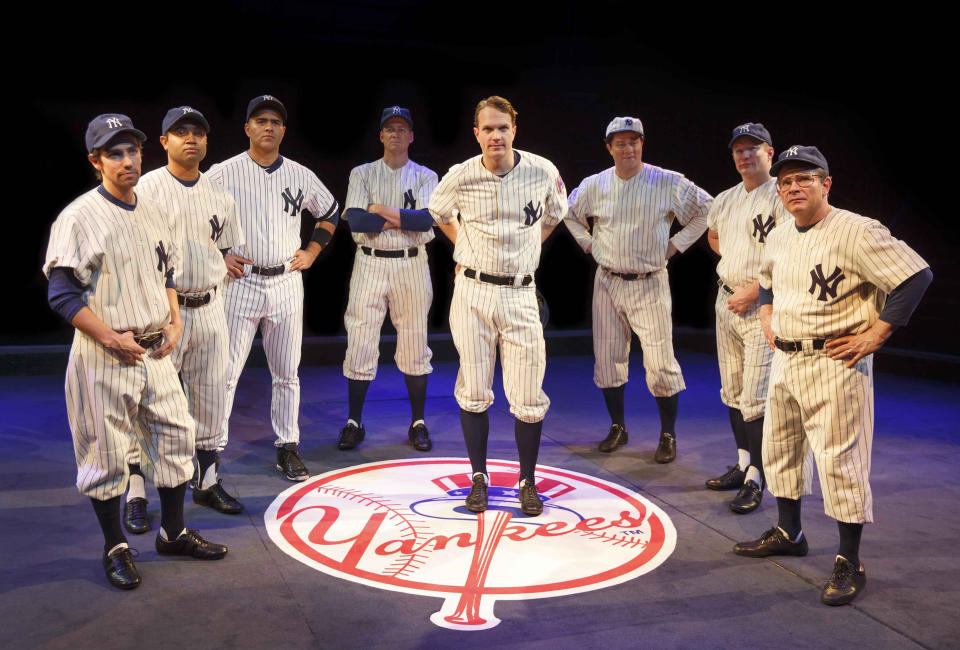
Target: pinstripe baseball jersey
633	217
499	231
203	217
121	254
832	279
742	221
269	201
407	188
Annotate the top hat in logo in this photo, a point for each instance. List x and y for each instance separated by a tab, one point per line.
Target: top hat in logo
402	525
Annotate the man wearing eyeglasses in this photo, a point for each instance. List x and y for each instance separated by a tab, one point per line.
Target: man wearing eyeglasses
833	287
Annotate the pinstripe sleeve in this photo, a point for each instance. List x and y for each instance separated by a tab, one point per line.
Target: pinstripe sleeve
766	263
885	260
576	221
443	201
358	195
427	186
69	247
233	233
691	205
321	203
556	203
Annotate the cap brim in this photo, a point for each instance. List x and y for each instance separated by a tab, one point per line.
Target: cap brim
775	167
748	135
191	117
607	136
269	104
107	137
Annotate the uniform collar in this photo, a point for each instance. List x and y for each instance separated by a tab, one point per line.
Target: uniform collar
117	202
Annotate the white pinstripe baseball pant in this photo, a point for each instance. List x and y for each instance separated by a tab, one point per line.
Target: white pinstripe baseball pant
744	358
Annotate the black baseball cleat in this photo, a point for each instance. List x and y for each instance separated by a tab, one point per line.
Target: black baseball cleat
217	498
351	436
732	480
748	498
667	449
289	463
772	542
476	501
419	437
845	584
190	543
120	569
530	503
135	518
614	440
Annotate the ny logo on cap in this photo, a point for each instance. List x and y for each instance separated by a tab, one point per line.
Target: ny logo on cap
396	110
628	122
187	109
792	151
113	122
269	98
744	128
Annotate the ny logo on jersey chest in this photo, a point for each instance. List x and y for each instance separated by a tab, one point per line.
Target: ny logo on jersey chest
163	263
409	203
826	284
762	228
533	213
292	205
216	228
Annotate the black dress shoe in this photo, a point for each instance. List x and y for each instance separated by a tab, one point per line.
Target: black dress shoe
844	585
217	498
351	436
667	449
135	518
419	437
191	544
120	569
476	501
530	503
732	480
748	498
614	440
772	542
289	463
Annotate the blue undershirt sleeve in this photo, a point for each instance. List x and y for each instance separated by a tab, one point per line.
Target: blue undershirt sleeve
416	220
65	293
363	221
903	300
765	296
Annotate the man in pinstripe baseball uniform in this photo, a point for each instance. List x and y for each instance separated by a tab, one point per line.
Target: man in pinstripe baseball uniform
265	289
203	218
739	222
389	271
120	380
833	287
507	202
633	205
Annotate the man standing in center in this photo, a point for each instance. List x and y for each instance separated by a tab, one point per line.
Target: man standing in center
270	192
507	203
390	270
633	205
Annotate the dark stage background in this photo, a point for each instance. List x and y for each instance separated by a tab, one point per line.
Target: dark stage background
865	92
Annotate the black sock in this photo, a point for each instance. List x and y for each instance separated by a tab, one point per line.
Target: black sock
476	428
789	516
527	435
667	406
205	459
135	469
739	433
108	515
417	390
356	393
171	509
754	430
850	542
614	399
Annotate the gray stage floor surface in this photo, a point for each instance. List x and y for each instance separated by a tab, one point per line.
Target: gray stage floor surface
53	593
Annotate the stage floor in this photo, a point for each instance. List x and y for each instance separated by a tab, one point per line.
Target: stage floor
53	592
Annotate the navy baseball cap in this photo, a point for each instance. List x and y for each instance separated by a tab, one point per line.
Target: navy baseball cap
266	101
176	115
755	130
800	153
104	128
396	111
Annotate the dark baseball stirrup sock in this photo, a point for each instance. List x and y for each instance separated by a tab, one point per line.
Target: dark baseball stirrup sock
850	542
788	511
667	406
614	399
171	510
417	390
108	515
754	430
205	459
739	433
476	428
527	435
356	393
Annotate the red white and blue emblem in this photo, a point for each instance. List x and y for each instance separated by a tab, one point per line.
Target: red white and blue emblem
402	525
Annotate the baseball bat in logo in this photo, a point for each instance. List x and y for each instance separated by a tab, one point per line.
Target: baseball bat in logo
402	525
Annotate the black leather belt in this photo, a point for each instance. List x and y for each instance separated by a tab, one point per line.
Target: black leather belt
797	346
724	287
195	300
379	252
628	276
502	280
148	340
268	270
